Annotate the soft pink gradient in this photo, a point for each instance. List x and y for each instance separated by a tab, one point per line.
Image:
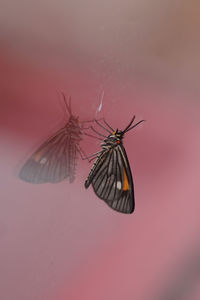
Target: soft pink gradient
60	241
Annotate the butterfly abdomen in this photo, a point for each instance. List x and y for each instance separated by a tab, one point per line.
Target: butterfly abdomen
72	159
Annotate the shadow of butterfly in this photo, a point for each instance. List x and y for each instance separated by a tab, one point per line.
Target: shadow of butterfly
56	158
110	175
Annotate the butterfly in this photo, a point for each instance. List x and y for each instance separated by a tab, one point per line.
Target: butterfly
56	158
110	175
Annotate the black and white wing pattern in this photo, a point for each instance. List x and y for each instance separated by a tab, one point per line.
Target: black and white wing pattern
112	180
53	161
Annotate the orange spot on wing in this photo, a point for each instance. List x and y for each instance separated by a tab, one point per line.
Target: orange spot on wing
126	184
38	155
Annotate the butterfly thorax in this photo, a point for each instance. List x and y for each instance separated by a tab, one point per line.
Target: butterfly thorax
113	139
73	128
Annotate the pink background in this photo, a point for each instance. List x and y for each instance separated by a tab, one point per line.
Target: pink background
60	241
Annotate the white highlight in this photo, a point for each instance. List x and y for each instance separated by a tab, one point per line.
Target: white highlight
43	160
101	103
119	185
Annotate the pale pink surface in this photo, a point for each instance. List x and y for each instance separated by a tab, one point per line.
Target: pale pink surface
60	241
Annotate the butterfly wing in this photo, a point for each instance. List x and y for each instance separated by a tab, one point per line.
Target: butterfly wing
51	162
112	180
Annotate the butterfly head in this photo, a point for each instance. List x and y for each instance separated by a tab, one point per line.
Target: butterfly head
118	135
73	120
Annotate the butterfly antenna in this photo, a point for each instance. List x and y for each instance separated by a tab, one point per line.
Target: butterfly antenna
135	125
127	127
68	106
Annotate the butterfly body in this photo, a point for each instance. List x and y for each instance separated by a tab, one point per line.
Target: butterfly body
111	176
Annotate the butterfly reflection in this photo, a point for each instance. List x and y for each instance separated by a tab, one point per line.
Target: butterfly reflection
56	158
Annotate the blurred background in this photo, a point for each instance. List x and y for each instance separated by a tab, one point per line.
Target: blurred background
59	241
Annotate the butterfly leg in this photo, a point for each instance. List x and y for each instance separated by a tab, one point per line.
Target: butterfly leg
95	137
98	132
90	121
98	123
108	125
83	155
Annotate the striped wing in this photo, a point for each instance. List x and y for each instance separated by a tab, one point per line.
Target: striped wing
112	180
52	162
